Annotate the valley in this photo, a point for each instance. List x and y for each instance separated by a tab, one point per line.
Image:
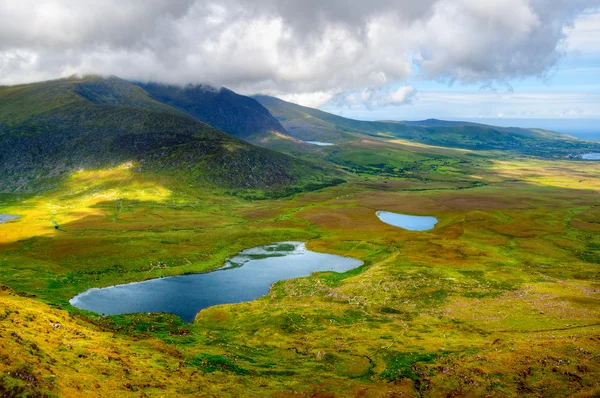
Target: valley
500	298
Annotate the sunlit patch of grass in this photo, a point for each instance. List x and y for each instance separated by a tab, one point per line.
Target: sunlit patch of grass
499	294
82	196
564	174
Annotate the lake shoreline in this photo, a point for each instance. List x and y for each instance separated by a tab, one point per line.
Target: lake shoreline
245	277
407	221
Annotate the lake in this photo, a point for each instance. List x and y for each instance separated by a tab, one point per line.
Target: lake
7	217
319	143
405	221
591	156
245	277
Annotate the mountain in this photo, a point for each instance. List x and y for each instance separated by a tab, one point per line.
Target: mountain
235	114
50	129
313	124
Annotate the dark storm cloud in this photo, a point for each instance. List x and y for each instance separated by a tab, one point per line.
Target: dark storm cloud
285	47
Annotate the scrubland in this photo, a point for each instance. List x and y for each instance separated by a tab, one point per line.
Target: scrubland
502	298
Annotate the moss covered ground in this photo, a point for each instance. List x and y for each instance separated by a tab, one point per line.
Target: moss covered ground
502	298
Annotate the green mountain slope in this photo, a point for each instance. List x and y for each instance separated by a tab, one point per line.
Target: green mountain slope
235	114
50	129
312	124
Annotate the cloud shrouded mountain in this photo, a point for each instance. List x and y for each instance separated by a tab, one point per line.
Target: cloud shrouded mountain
51	129
316	49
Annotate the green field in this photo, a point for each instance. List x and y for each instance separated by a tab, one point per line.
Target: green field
502	298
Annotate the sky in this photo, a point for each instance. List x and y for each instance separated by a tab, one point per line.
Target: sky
531	63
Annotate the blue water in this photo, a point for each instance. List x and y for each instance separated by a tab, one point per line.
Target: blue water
591	156
413	223
319	143
7	217
245	277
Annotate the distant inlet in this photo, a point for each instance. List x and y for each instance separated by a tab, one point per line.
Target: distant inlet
591	156
245	277
405	221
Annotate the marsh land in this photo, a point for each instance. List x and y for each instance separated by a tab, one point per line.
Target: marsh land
501	298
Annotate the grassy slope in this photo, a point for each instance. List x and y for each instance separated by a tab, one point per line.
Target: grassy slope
313	124
500	299
50	129
235	114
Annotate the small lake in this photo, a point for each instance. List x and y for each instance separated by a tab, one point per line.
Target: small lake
591	156
7	217
245	277
319	143
405	221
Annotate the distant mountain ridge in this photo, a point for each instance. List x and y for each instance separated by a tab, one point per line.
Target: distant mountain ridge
50	129
312	124
516	130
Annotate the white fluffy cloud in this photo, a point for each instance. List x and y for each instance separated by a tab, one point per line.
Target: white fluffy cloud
402	95
375	97
344	50
313	100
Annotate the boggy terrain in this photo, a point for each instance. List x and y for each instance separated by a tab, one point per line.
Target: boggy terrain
501	298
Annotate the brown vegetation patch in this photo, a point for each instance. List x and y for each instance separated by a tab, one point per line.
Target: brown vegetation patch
261	214
585	226
590	215
403	202
343	218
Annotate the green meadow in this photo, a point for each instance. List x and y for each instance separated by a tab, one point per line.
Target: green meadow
501	298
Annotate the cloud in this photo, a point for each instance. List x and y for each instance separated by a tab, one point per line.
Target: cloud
348	50
403	95
584	36
312	100
374	97
495	40
458	105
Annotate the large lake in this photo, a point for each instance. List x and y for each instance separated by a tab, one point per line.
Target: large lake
7	217
591	156
412	223
245	277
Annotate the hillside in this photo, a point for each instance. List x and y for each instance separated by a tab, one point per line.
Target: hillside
235	114
50	129
313	124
